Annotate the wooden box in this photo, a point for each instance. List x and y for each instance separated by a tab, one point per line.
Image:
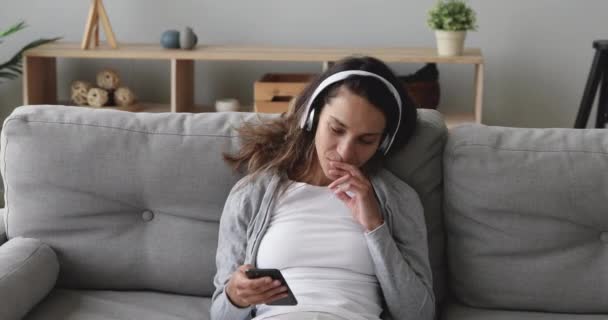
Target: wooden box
274	91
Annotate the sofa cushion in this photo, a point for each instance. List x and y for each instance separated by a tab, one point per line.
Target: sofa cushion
457	311
526	218
65	304
28	271
129	201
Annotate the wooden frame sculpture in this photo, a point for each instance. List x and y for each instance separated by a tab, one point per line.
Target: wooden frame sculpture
97	12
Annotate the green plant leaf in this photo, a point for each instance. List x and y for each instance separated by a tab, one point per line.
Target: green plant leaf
7	75
14	64
12	29
451	15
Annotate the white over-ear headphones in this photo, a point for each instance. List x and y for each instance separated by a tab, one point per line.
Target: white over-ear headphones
307	120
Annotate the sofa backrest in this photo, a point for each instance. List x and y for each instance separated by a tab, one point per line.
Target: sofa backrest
133	200
526	214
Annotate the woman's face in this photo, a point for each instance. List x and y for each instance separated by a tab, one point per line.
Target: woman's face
349	130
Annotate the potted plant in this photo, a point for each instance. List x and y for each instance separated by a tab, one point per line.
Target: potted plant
451	19
12	68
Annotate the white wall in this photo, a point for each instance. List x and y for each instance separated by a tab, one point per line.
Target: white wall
538	52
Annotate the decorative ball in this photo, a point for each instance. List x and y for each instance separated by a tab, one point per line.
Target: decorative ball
80	90
97	97
188	39
123	97
170	39
108	79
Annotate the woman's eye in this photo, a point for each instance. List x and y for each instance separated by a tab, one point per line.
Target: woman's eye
337	131
367	141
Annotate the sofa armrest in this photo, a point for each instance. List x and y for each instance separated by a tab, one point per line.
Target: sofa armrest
28	272
2	227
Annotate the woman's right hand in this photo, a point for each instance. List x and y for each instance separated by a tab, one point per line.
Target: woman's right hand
244	292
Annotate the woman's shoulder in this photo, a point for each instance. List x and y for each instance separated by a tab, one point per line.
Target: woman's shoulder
251	183
247	195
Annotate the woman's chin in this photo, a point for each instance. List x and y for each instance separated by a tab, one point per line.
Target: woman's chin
331	177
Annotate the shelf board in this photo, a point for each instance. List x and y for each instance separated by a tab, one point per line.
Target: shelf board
252	53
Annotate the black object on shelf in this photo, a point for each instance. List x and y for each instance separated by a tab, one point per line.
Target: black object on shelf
597	75
423	86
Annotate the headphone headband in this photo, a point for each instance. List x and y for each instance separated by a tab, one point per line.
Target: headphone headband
308	115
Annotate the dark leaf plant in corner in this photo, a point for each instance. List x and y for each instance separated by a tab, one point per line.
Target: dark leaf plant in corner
11	69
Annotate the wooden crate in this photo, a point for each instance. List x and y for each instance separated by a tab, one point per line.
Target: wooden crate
274	91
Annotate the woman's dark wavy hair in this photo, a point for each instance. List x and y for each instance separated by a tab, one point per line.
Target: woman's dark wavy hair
281	146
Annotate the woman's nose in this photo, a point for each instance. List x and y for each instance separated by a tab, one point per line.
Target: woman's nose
346	150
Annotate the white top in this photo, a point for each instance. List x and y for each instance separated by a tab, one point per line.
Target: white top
323	255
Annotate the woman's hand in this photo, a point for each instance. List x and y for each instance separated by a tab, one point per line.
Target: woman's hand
355	190
244	292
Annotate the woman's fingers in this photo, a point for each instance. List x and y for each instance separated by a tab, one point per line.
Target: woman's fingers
353	170
258	284
348	183
273	294
253	291
264	294
339	181
342	196
252	287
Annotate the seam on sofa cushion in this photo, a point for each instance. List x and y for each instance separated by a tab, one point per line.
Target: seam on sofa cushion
465	145
123	129
22	262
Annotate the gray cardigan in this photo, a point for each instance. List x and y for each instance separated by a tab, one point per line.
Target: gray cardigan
398	247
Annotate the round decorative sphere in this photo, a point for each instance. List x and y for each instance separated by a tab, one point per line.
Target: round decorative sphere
108	79
188	39
97	97
170	39
80	91
123	97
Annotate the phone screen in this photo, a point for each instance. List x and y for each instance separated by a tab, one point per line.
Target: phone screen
274	274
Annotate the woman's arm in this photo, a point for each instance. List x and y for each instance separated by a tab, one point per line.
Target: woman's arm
401	257
231	251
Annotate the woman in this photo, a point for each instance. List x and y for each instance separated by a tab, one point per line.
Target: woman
348	236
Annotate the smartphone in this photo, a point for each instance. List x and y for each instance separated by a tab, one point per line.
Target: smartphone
274	274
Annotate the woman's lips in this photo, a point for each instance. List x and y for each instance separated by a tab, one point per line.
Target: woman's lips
334	156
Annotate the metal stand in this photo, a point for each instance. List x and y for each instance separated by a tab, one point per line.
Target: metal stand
599	71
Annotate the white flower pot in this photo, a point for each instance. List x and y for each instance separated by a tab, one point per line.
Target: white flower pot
450	43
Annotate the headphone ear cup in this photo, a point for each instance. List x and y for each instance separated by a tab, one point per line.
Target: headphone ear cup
310	121
384	144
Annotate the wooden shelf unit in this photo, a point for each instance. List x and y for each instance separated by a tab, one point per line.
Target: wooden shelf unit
40	67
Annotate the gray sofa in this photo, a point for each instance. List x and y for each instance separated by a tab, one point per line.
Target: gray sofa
114	215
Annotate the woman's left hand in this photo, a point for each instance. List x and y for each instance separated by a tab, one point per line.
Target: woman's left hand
355	190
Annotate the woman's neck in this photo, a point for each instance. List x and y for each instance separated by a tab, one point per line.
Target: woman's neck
314	175
318	178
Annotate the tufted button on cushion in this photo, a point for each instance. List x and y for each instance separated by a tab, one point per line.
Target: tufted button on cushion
147	215
604	236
